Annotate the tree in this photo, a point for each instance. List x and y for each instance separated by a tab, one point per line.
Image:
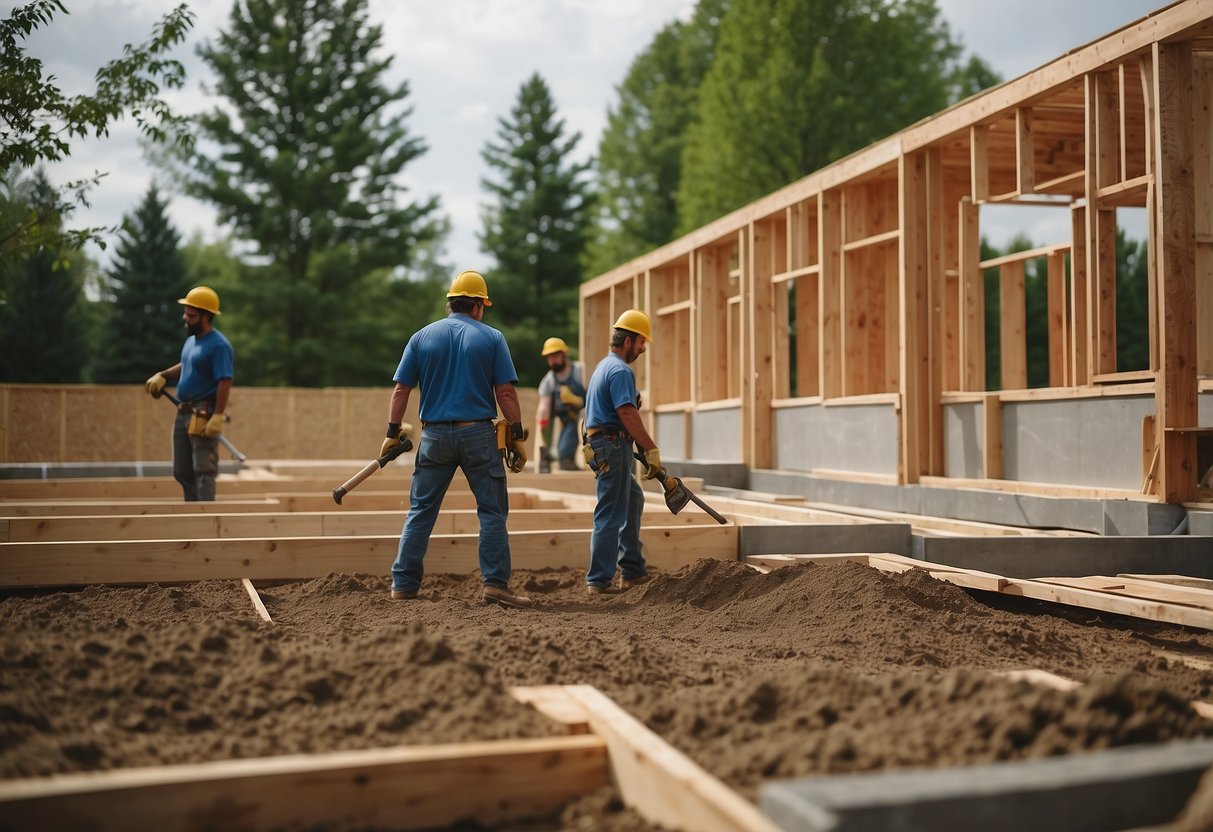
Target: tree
38	122
797	84
142	331
42	322
313	143
537	227
640	153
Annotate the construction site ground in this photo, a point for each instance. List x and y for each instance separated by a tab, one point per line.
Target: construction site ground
804	669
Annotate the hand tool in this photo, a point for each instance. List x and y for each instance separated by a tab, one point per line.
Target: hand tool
227	443
374	465
677	495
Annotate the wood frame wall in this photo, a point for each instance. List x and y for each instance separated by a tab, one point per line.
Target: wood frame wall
864	282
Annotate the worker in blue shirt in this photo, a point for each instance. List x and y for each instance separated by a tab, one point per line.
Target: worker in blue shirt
204	383
464	370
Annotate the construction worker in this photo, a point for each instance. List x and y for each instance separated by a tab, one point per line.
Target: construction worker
612	421
204	383
561	396
465	372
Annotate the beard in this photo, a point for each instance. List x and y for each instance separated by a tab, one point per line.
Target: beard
194	329
558	368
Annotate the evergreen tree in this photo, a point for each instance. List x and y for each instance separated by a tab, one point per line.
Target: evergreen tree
640	153
43	329
797	84
143	330
537	228
313	145
1132	304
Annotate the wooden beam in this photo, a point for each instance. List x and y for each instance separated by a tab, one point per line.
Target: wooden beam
829	231
661	783
258	604
972	301
1059	331
757	382
415	787
1080	371
1202	160
1025	152
979	165
992	443
1176	396
914	349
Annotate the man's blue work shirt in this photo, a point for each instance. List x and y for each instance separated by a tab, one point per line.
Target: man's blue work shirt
612	386
456	362
205	362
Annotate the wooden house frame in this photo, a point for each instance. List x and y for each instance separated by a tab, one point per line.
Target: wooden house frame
836	326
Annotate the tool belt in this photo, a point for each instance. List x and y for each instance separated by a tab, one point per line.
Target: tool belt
592	461
454	423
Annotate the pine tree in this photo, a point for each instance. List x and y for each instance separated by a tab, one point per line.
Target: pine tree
143	330
537	227
42	325
313	144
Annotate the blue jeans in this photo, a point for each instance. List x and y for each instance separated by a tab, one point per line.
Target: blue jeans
443	448
195	460
615	542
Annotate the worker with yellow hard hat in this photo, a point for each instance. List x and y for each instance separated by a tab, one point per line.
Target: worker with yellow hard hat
204	383
561	397
613	423
464	371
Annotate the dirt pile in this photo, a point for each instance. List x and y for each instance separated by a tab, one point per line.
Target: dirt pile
805	670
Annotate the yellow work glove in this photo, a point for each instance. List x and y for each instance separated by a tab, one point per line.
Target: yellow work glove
517	456
395	435
214	426
570	398
652	462
155	385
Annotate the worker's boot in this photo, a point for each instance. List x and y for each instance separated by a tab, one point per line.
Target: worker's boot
545	462
502	595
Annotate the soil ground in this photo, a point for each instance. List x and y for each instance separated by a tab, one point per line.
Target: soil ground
805	670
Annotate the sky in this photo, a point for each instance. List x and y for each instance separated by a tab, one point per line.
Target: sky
465	61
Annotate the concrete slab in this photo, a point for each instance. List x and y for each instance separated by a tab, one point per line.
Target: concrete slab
1034	557
1109	790
78	470
824	539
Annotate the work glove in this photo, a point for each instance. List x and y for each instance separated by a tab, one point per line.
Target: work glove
214	426
652	462
517	456
396	433
155	385
570	398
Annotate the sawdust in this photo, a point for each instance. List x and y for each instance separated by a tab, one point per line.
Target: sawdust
806	670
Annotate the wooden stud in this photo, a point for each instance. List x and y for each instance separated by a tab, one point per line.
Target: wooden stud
1012	330
1080	371
1175	400
992	444
914	347
972	301
1059	340
1025	152
829	231
757	386
1202	156
979	162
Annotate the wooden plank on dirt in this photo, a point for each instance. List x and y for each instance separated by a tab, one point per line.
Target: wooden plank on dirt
1108	602
414	787
1177	580
1041	677
554	702
258	604
76	563
1149	590
660	782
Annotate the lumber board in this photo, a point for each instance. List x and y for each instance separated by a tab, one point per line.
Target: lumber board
1149	590
297	524
414	787
78	563
258	604
1177	580
1044	678
1108	602
660	782
554	702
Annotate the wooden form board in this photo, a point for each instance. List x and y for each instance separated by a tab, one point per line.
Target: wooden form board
1150	607
298	524
400	788
157	561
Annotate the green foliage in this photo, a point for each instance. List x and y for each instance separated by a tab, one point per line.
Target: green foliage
537	227
640	153
43	326
143	331
38	122
797	84
1132	304
313	146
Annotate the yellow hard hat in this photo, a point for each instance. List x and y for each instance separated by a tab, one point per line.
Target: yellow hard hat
202	297
633	320
552	345
470	284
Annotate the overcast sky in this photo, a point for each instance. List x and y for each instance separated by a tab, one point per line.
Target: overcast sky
465	61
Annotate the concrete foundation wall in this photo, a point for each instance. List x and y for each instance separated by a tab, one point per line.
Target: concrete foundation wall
1092	442
963	440
859	438
716	435
670	433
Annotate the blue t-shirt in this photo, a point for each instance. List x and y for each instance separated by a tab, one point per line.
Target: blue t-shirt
204	362
456	362
612	386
